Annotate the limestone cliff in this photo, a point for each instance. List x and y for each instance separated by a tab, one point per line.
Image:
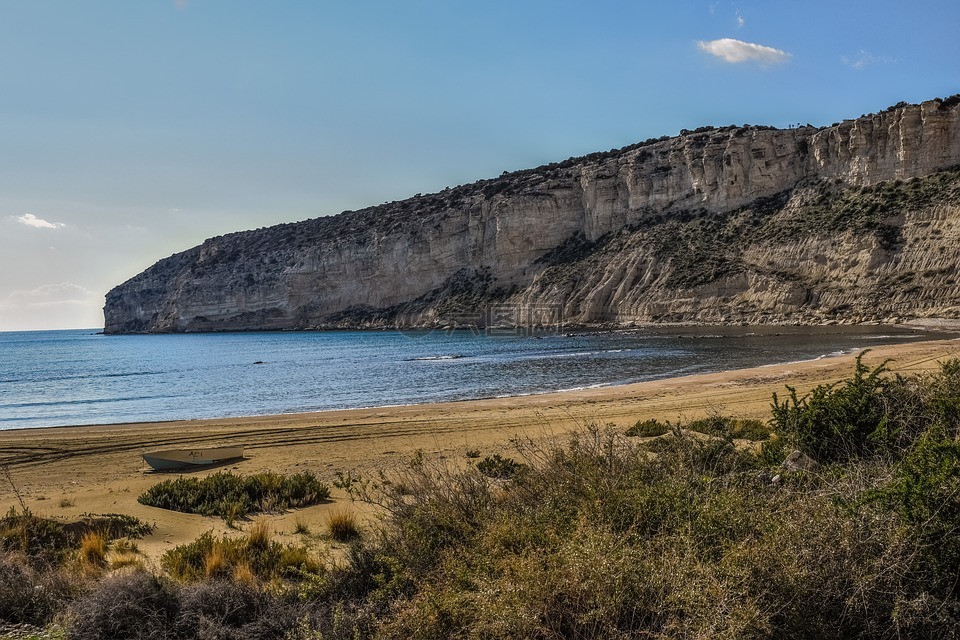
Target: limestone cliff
855	222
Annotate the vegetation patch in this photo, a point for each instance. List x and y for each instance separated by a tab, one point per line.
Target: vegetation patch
496	466
254	555
732	428
596	538
649	428
233	496
47	542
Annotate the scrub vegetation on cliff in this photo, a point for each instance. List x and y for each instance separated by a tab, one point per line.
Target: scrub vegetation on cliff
837	519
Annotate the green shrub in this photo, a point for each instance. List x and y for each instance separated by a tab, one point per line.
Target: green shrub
496	466
232	496
733	428
925	493
837	422
648	428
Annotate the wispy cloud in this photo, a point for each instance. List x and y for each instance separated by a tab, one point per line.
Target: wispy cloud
51	306
864	59
737	51
740	21
49	295
33	221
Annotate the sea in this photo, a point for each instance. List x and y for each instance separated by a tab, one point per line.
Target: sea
82	377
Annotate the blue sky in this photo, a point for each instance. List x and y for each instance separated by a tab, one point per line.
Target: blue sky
133	130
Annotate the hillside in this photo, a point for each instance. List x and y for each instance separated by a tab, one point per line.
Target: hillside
855	222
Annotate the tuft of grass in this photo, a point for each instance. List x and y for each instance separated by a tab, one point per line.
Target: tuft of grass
259	535
93	550
301	527
126	560
243	574
473	453
66	503
215	562
343	525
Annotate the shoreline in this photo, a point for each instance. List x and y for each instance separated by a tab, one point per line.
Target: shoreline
906	333
67	471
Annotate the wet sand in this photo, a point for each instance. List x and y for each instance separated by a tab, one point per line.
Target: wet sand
67	471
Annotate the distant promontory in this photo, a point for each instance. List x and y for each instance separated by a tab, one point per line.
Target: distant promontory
855	222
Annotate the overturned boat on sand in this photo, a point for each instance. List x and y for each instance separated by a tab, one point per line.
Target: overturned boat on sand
186	458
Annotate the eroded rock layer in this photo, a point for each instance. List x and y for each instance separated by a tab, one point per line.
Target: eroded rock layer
855	222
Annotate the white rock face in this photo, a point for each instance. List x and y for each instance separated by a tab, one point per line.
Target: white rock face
597	237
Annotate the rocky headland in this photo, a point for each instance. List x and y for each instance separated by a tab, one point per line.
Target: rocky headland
855	222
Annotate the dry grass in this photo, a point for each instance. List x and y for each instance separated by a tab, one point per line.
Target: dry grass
259	535
343	525
93	550
300	526
215	562
243	574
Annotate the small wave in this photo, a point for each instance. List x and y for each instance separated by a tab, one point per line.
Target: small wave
832	354
78	376
68	403
435	358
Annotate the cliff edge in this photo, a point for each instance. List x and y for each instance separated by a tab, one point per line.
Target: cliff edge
855	222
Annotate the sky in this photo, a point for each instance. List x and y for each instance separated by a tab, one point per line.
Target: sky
130	131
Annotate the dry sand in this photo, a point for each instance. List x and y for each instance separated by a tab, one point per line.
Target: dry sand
64	472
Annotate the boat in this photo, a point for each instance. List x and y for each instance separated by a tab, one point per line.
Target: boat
186	458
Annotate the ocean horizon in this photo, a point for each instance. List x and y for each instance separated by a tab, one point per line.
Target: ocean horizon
82	377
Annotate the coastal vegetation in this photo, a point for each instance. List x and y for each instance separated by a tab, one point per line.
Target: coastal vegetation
838	518
232	496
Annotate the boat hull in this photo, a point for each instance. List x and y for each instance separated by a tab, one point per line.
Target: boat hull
186	458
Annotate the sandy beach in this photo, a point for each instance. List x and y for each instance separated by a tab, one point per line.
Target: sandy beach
67	471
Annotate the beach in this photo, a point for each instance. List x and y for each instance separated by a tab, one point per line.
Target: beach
64	472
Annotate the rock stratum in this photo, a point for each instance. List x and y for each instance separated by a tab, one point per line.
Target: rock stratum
856	222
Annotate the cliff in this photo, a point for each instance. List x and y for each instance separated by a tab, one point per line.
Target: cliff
855	222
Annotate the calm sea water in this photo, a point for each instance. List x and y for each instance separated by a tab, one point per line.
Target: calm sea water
54	378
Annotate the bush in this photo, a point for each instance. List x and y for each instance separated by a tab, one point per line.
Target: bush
837	422
136	606
732	428
496	466
31	595
231	496
649	428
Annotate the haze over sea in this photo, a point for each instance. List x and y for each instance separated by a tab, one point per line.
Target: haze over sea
79	377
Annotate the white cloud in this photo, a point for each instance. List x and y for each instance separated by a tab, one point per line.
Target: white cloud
740	21
49	294
736	51
33	221
865	59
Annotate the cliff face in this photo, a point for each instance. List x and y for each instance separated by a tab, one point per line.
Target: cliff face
858	221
